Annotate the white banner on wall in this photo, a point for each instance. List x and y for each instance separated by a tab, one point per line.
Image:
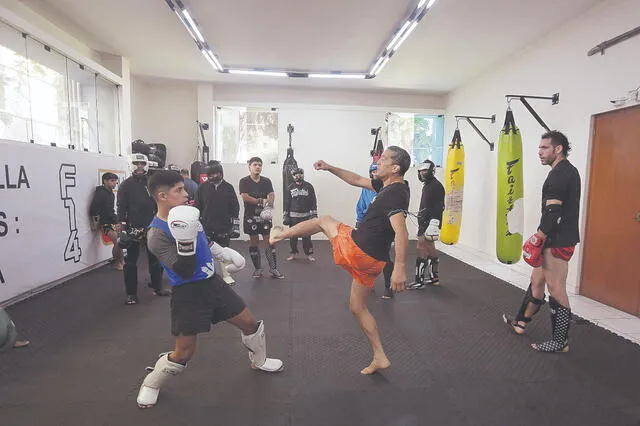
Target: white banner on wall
45	233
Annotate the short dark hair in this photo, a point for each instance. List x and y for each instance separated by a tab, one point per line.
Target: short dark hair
109	176
558	138
401	158
163	180
254	160
184	172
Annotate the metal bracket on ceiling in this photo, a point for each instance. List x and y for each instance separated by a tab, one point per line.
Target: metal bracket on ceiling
468	118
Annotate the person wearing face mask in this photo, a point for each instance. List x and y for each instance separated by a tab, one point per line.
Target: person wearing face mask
429	224
219	206
136	209
300	204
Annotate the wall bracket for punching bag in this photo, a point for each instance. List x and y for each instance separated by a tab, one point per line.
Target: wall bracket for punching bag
555	98
205	148
468	118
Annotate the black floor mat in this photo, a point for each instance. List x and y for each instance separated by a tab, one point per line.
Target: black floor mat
453	360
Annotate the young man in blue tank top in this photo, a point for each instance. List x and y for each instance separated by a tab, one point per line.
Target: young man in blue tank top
200	297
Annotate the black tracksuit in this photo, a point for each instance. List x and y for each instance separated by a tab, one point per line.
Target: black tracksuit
218	207
136	207
102	205
300	204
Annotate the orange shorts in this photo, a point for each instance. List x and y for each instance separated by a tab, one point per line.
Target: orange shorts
362	267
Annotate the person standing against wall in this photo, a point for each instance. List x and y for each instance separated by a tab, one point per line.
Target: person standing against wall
300	204
102	212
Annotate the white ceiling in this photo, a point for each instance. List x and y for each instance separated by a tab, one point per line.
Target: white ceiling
455	41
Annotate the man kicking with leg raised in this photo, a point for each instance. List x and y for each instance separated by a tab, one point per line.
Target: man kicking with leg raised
364	252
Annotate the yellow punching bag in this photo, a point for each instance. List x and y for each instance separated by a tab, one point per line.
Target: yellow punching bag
453	188
510	217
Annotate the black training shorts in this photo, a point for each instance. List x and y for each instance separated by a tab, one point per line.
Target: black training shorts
198	304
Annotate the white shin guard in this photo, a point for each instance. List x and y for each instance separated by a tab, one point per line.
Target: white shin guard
150	389
257	346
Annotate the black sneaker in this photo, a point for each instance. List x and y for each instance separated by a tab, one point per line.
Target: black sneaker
161	292
388	293
132	299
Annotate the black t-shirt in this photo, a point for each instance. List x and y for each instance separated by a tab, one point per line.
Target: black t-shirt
259	189
431	204
563	183
375	233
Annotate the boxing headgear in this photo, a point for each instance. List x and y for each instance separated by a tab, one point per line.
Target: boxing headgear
372	168
298	175
426	171
214	167
138	158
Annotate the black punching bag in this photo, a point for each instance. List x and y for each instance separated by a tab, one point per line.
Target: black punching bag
288	166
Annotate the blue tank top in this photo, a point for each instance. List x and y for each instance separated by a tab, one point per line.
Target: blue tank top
204	259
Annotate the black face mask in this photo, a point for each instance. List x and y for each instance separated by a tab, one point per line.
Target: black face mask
216	179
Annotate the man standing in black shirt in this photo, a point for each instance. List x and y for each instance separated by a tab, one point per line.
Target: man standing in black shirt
364	252
429	223
219	210
136	209
219	206
102	211
551	247
300	204
258	196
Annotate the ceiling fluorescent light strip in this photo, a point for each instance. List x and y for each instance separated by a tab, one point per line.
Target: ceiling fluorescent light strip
193	25
398	38
336	75
406	34
258	72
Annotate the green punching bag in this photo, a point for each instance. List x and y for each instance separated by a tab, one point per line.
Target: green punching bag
510	217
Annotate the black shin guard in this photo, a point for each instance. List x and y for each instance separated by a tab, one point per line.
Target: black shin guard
270	253
528	298
387	271
432	269
421	265
254	252
560	323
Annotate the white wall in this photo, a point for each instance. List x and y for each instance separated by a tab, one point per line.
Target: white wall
557	63
329	125
166	112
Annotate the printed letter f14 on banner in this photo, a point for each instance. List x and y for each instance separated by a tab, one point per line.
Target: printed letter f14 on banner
67	176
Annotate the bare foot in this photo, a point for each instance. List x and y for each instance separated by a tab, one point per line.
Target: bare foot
274	235
375	366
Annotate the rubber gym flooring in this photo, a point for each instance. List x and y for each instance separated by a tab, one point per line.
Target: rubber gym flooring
453	360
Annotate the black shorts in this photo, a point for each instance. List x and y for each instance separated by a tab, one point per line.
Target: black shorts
253	226
198	304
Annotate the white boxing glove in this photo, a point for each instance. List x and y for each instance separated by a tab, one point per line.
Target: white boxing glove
184	225
433	231
232	260
235	260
